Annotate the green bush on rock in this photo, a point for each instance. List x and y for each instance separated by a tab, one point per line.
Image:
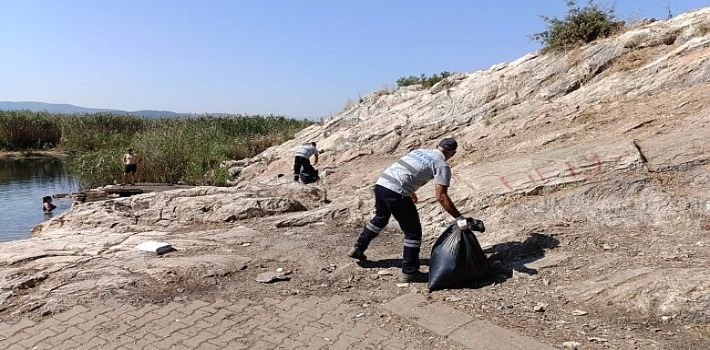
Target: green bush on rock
423	79
581	25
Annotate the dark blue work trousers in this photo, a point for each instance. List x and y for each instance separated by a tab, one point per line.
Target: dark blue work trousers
389	203
300	163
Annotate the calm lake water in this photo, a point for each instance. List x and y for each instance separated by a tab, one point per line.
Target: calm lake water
23	183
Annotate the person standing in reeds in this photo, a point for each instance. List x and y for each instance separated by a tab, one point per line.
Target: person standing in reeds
302	160
130	166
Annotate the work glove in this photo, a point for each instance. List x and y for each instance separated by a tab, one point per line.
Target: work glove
462	223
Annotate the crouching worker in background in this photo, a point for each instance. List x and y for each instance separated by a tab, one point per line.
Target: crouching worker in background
302	160
395	196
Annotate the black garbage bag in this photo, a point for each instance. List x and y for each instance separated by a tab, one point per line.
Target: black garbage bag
310	176
457	258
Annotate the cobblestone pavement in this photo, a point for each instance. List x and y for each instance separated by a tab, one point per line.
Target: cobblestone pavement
291	323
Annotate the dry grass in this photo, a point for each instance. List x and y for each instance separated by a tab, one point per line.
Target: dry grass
575	60
574	57
703	29
387	89
349	103
631	44
632	60
584	118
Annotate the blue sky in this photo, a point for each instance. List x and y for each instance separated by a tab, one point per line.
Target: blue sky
302	58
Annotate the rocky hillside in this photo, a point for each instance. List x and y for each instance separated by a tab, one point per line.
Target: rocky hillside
590	168
606	148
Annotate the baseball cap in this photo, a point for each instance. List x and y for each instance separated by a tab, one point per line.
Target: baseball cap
448	144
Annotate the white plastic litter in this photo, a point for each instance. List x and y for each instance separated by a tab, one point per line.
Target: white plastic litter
155	247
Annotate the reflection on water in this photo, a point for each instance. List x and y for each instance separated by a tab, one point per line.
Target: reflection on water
23	183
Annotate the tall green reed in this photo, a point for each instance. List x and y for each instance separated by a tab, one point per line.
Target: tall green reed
185	149
21	130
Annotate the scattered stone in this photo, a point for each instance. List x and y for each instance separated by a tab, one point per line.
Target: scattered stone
280	269
384	273
330	268
597	340
570	345
4	296
522	275
579	312
28	307
562	324
159	248
664	319
402	285
360	315
540	307
454	299
3	299
272	276
246	244
545	281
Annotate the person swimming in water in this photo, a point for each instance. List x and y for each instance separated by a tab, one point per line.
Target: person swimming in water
47	205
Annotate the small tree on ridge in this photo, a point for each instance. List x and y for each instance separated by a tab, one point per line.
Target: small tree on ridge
581	25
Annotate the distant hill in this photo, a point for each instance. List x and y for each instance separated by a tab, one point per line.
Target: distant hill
72	109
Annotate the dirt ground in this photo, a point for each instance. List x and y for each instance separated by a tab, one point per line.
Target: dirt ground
316	257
